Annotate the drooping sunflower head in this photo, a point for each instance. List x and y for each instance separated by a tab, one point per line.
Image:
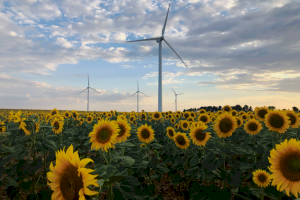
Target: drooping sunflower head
69	178
104	135
156	115
260	112
54	112
145	133
294	121
205	118
184	125
261	178
199	137
225	125
202	111
252	126
227	108
124	130
285	166
277	120
181	140
170	132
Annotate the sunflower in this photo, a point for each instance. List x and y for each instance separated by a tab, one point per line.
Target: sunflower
177	116
176	126
109	115
124	130
142	145
156	115
173	120
261	178
131	118
167	117
294	118
145	133
239	122
285	165
54	112
241	113
251	116
252	127
244	117
213	118
199	138
227	108
170	132
2	127
67	114
202	111
190	119
143	117
47	119
89	119
59	125
192	114
69	178
234	113
184	125
74	115
99	118
204	118
277	121
225	125
36	127
260	113
27	132
81	120
220	112
181	140
186	114
122	117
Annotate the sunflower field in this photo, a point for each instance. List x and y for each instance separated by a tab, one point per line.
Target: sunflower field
70	155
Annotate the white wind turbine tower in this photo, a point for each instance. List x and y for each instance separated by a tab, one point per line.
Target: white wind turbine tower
176	99
137	92
159	40
88	92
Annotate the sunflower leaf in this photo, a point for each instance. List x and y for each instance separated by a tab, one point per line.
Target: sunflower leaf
124	145
125	161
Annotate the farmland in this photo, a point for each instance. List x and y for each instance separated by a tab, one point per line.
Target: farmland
149	155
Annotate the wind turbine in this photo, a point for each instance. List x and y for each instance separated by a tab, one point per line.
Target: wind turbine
159	40
88	92
176	99
137	92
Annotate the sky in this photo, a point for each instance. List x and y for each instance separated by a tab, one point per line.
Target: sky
244	52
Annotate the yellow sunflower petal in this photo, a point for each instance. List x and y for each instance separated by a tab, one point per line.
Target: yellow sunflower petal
89	192
84	162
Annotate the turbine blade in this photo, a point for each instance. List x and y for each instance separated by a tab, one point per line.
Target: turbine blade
138	85
173	90
180	93
144	94
175	52
144	39
95	90
163	31
88	80
82	91
133	94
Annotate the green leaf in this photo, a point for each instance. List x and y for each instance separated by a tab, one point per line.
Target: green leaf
125	161
194	161
113	179
47	126
124	145
7	181
156	146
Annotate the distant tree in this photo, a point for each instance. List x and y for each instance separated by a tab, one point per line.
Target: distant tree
250	109
183	110
245	108
238	108
271	107
220	108
296	109
209	108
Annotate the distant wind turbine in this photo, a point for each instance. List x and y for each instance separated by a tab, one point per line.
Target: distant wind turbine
176	99
159	40
137	92
88	92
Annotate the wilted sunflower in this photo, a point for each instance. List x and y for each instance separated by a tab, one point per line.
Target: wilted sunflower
170	132
239	122
186	114
69	178
145	133
176	126
124	130
205	118
252	126
277	121
184	125
234	113
74	115
227	108
156	115
225	125
190	119
261	178
285	165
59	125
67	114
89	119
181	140
54	112
294	118
173	120
199	138
202	111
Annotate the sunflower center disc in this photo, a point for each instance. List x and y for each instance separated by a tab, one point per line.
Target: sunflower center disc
238	122
56	125
225	125
262	178
180	140
292	118
199	135
203	118
145	134
184	125
252	126
103	135
171	133
290	166
262	113
70	183
122	132
156	115
276	121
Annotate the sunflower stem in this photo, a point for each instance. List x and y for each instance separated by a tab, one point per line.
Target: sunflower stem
104	156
